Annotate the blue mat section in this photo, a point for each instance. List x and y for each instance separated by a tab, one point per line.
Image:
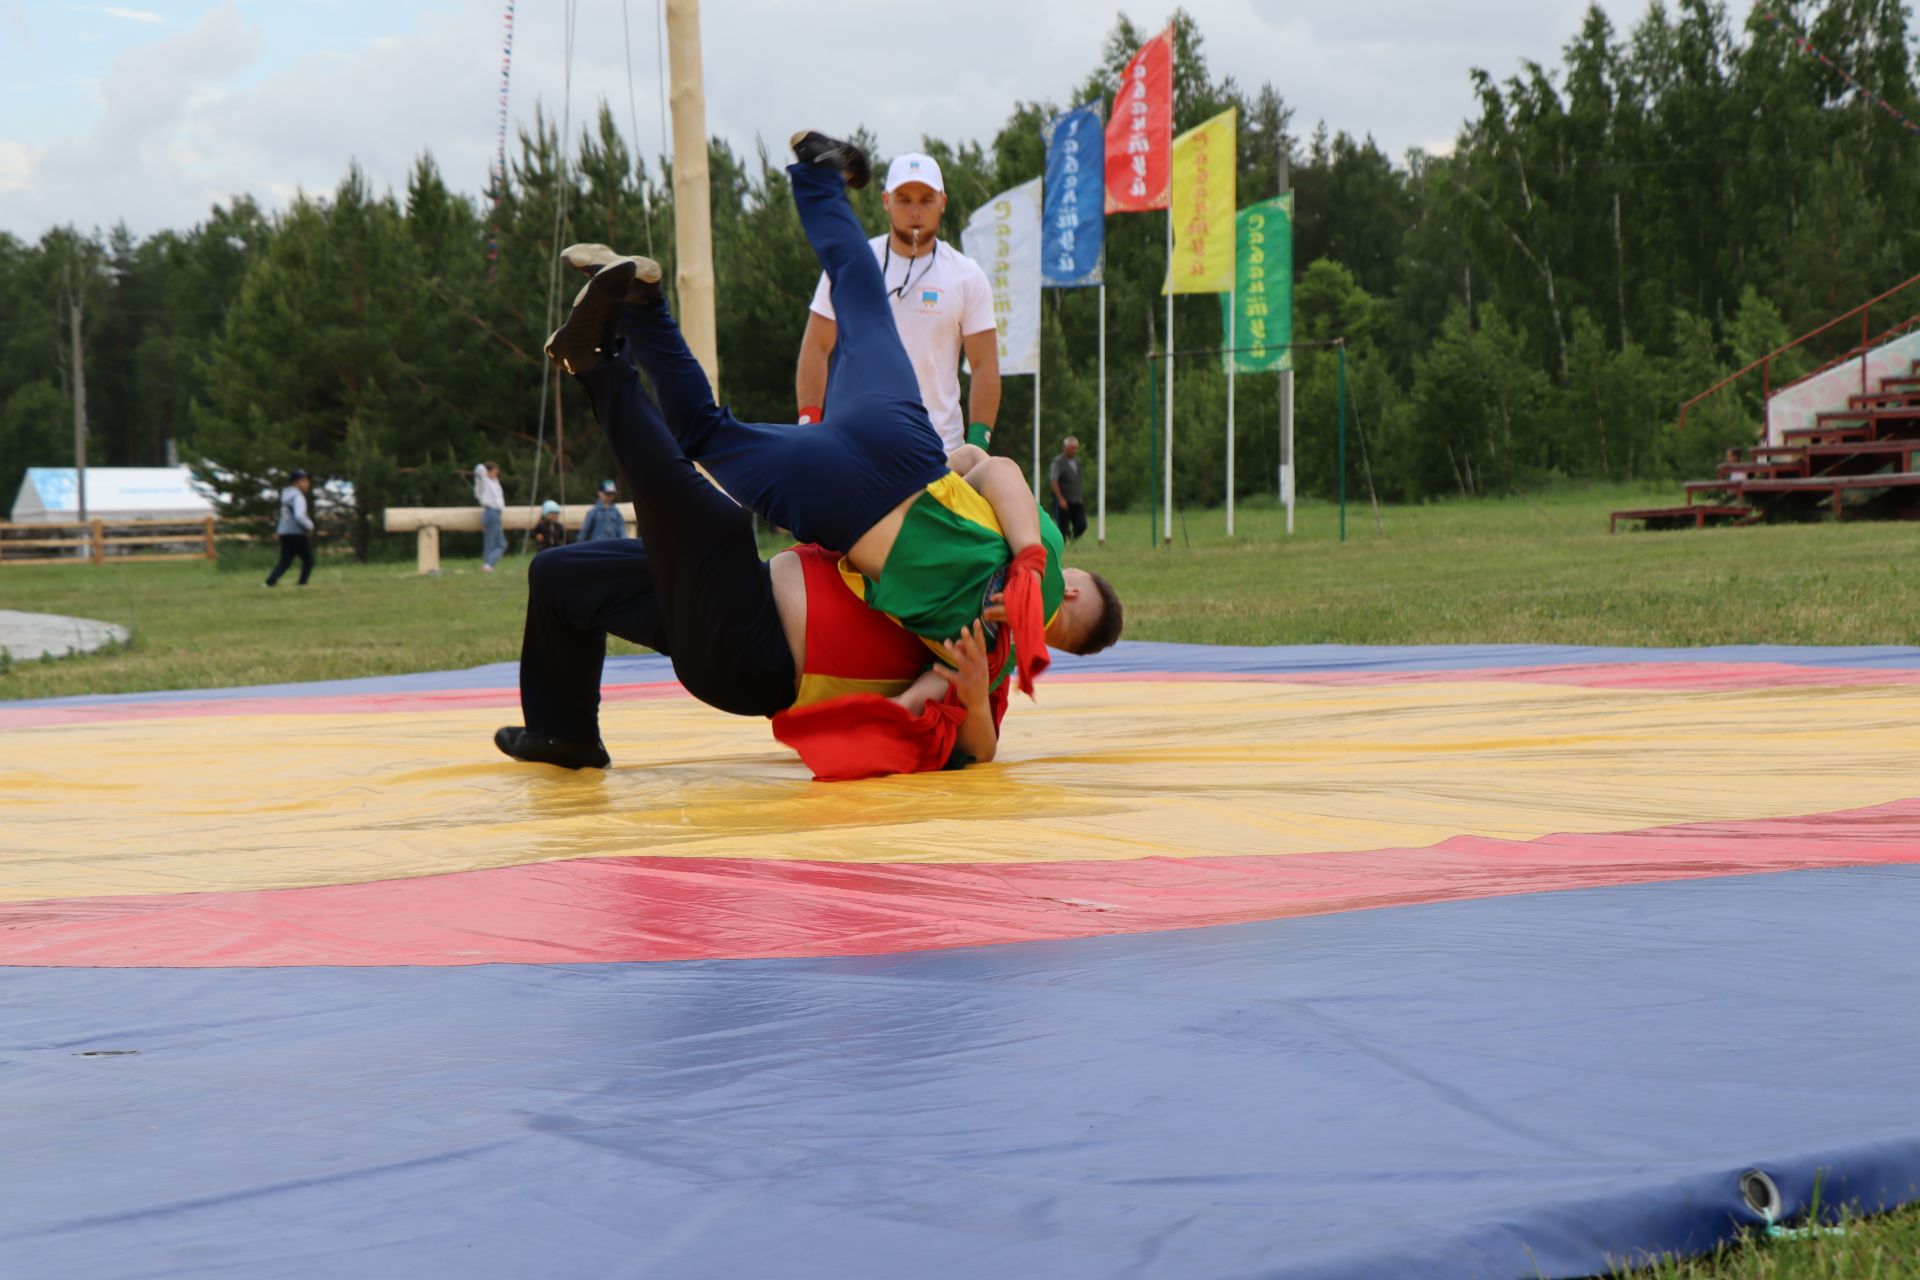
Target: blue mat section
1502	1088
1126	657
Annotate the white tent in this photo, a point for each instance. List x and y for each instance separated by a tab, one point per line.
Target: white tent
51	495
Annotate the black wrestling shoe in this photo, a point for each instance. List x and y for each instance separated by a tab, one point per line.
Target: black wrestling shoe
591	259
578	344
848	157
538	748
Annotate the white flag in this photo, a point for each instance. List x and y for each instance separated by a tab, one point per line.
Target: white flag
1004	238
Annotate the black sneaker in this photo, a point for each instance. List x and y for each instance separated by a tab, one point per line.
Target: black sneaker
591	259
848	157
579	344
538	748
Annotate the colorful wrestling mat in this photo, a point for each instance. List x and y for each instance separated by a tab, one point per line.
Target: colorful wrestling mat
1317	962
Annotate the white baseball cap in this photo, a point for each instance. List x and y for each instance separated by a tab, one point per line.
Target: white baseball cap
914	167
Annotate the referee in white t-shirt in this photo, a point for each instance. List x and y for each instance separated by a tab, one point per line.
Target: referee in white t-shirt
942	305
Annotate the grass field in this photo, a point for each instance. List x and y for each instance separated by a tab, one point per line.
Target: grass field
1540	570
1517	570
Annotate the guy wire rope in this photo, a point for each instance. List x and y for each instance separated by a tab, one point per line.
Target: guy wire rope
553	262
633	113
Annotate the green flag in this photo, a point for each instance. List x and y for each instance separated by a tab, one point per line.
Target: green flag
1263	287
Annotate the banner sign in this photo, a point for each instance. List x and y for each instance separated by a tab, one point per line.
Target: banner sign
1073	223
1262	297
1140	130
1204	160
1004	238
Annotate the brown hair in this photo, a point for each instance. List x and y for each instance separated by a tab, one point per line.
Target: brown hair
1107	630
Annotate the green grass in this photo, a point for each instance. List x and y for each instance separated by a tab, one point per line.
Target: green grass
1539	570
1882	1248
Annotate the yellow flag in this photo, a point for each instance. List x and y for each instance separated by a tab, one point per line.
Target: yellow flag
1203	198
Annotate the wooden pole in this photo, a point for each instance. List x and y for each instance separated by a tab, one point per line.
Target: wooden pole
692	194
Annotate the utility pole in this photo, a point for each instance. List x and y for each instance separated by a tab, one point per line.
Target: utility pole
79	396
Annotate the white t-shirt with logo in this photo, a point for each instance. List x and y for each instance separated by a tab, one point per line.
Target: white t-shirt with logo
946	297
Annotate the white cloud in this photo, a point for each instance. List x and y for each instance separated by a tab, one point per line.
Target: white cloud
16	166
22	30
120	12
185	114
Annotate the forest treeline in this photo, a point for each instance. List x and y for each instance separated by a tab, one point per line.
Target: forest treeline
1611	233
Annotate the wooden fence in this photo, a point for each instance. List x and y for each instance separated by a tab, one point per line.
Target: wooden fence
101	541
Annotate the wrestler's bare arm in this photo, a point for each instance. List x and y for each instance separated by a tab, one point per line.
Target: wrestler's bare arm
1001	482
968	678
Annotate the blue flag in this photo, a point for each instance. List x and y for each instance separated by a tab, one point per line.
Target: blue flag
1072	223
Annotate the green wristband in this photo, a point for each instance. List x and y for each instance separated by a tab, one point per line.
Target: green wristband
979	433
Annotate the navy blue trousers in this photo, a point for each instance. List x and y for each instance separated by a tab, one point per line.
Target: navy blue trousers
875	447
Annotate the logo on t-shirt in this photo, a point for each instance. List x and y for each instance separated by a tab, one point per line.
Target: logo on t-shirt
929	297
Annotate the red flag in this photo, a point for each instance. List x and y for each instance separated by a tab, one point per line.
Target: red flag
1140	130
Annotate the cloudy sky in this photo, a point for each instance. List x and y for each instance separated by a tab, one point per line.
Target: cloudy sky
150	111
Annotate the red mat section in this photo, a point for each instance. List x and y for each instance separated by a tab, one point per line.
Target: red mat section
647	908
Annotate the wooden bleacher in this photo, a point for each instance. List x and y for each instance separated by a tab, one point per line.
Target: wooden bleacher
1860	460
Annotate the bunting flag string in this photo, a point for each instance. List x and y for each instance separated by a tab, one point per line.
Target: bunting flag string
1866	94
500	141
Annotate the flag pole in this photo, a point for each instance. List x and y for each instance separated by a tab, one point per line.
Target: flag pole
1100	530
1286	445
1036	429
1166	472
1233	361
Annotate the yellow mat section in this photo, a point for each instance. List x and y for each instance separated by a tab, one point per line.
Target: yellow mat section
1094	771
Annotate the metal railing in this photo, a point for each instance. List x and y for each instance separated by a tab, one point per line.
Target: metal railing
1868	341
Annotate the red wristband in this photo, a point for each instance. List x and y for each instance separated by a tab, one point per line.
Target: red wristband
809	413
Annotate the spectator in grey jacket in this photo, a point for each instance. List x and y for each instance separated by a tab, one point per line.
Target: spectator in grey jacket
1069	512
493	507
604	520
295	528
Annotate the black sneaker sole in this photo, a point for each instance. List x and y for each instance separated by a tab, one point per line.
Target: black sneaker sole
532	748
578	344
849	158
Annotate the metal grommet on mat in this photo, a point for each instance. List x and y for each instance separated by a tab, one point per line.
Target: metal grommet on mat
1762	1194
